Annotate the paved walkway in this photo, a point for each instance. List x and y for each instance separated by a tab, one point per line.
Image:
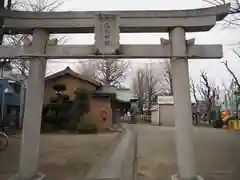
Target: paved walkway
217	153
62	157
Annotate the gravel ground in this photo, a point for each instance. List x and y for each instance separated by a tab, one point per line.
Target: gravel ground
217	153
62	157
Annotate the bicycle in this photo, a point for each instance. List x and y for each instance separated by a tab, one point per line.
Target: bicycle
3	141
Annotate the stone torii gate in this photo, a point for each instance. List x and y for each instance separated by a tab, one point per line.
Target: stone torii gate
107	26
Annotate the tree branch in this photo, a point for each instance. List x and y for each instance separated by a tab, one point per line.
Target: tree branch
233	11
31	5
232	73
193	90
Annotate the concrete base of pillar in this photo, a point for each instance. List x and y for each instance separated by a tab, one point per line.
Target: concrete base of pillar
39	176
177	177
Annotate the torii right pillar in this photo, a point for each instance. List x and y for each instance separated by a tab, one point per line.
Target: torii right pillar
182	102
180	50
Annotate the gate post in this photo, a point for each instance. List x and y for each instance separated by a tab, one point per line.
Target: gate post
33	110
182	103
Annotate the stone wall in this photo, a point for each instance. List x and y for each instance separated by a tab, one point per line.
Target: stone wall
167	115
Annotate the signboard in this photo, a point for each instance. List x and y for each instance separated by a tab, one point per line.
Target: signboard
107	33
165	100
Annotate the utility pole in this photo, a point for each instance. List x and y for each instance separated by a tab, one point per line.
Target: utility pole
23	86
9	4
149	79
22	102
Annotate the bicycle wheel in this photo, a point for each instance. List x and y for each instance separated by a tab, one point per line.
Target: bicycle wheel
3	141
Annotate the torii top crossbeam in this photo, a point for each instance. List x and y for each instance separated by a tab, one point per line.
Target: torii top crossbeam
129	21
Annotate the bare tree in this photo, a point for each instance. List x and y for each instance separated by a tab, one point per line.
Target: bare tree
112	71
234	16
28	5
228	90
151	86
235	79
167	80
9	4
88	68
232	20
36	5
148	85
194	91
2	6
107	71
208	92
235	84
139	88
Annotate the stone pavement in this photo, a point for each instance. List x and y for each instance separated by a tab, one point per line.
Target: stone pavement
62	157
217	153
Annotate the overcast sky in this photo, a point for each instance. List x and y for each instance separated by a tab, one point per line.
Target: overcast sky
218	35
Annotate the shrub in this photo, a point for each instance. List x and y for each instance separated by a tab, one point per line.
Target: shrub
58	114
81	104
45	110
54	106
82	101
65	97
87	128
51	118
53	100
59	88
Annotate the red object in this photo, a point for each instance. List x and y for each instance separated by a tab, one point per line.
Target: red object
226	113
104	115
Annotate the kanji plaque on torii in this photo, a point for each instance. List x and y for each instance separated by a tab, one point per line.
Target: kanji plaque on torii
106	33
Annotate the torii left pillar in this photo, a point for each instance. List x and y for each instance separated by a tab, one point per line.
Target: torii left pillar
29	155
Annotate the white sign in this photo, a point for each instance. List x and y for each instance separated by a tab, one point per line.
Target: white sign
165	100
107	33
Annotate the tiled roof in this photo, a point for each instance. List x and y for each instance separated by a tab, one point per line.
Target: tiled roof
70	72
122	94
107	89
125	95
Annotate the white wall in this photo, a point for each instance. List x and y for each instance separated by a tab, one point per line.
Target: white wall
155	117
166	114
